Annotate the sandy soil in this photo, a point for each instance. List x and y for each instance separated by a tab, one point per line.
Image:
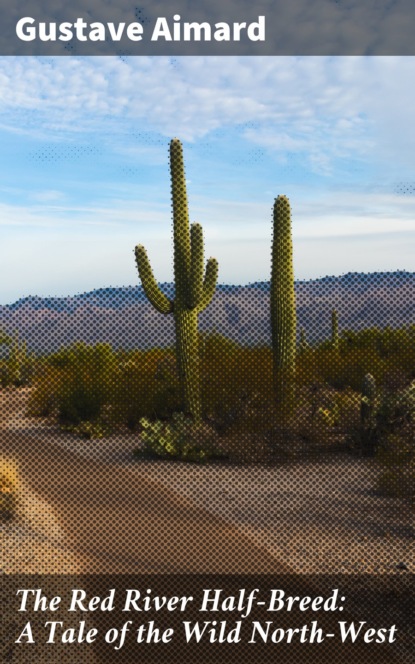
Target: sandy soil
316	517
32	544
320	517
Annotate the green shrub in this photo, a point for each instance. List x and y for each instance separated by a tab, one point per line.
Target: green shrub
236	383
77	382
396	430
43	401
146	385
101	387
181	439
398	458
17	366
326	416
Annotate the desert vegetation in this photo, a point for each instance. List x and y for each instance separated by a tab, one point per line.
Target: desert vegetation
340	405
211	398
17	368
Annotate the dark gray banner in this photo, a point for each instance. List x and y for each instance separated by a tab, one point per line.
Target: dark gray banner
266	27
210	618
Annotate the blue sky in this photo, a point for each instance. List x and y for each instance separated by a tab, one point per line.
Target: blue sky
85	175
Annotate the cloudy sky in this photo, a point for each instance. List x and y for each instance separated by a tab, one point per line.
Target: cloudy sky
85	174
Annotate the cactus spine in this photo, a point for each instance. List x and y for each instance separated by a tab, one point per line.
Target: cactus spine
194	288
283	312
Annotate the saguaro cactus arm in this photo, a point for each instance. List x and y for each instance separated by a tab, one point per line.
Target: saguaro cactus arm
150	285
209	283
202	286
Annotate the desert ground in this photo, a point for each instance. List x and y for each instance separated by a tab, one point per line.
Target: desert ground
90	506
314	517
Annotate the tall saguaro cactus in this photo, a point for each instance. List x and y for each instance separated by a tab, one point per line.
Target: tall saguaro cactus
194	288
283	311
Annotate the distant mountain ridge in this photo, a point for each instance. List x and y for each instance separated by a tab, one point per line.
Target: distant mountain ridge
124	295
123	316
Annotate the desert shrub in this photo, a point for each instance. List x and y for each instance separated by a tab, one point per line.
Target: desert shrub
236	383
340	409
396	410
9	489
19	375
146	386
397	456
94	384
76	383
43	401
390	349
380	352
396	431
97	386
325	416
181	439
340	369
17	366
87	385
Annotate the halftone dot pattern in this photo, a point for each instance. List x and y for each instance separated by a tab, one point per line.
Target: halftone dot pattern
147	430
52	154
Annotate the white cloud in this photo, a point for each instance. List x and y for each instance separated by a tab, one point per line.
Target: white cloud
96	248
318	109
198	94
315	214
48	196
325	107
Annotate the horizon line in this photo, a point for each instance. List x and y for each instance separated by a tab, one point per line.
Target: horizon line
231	285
